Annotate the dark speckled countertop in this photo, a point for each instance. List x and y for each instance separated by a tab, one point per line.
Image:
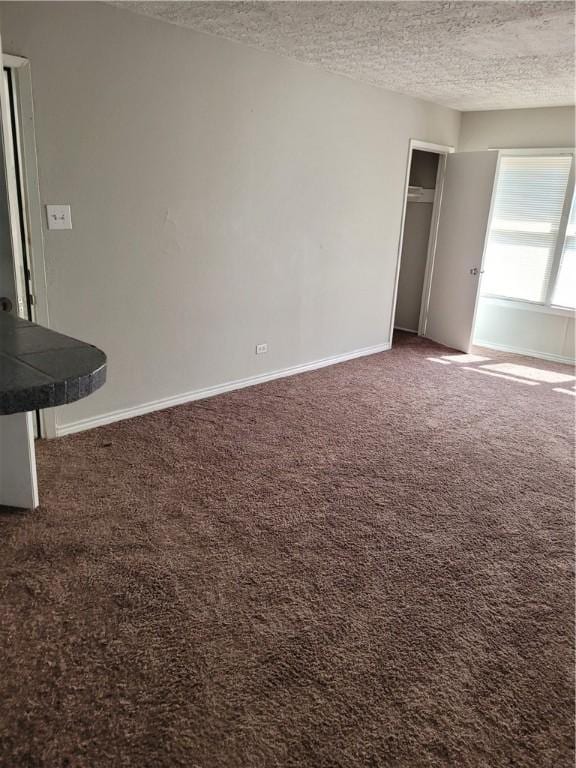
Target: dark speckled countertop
40	368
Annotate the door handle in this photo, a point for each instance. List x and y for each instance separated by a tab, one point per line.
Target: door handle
476	271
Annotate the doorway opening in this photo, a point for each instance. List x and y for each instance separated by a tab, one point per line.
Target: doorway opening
425	178
461	209
24	271
15	191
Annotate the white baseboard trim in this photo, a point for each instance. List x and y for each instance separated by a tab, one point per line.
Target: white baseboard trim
407	330
526	352
218	389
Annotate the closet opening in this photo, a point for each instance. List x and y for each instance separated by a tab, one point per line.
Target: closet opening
421	212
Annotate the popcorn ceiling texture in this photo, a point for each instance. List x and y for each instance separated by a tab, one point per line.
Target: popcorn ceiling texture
465	55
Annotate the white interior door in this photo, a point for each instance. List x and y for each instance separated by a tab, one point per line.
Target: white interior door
462	230
18	487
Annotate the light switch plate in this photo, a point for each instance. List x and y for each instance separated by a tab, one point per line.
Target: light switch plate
59	217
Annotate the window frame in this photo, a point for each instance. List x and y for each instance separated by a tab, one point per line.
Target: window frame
545	306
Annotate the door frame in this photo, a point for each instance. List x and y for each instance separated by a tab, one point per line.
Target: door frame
25	145
18	480
442	150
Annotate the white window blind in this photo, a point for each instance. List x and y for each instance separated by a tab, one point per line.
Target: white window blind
529	199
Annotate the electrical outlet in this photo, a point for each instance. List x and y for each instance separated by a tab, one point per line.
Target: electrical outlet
59	217
261	349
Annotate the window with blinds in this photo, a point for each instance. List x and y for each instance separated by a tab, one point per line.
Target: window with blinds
522	255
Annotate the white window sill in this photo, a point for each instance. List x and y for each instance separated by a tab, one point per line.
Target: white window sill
529	306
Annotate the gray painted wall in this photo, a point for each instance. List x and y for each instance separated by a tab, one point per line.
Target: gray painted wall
517	129
221	197
423	169
413	265
525	330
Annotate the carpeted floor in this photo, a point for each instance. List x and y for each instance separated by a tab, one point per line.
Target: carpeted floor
368	565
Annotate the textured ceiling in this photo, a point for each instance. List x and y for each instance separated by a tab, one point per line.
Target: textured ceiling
466	55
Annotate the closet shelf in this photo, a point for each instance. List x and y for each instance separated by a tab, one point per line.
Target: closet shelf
420	195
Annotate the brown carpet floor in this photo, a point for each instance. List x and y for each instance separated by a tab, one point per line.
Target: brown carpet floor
366	565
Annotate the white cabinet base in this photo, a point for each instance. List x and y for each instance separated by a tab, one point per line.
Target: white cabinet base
18	485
